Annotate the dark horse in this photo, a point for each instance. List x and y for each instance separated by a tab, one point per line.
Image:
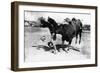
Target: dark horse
78	28
51	24
68	31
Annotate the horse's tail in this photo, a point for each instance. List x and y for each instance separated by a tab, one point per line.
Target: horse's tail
81	26
80	34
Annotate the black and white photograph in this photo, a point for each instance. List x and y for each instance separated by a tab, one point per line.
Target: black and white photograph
56	36
51	36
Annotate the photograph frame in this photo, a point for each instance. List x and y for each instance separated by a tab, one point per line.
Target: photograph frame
15	33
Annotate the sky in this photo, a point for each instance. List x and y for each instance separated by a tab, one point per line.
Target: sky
59	17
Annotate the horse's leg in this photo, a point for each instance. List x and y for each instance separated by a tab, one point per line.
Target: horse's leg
54	47
63	48
62	42
76	38
69	45
53	43
80	34
58	49
70	42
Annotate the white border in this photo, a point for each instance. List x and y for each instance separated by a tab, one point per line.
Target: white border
22	64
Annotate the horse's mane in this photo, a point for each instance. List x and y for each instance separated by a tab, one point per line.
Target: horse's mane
45	23
53	22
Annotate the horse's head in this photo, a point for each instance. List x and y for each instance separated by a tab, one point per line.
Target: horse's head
67	20
80	23
74	19
43	22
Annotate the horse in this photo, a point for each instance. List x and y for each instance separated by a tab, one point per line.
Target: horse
51	27
70	30
78	28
